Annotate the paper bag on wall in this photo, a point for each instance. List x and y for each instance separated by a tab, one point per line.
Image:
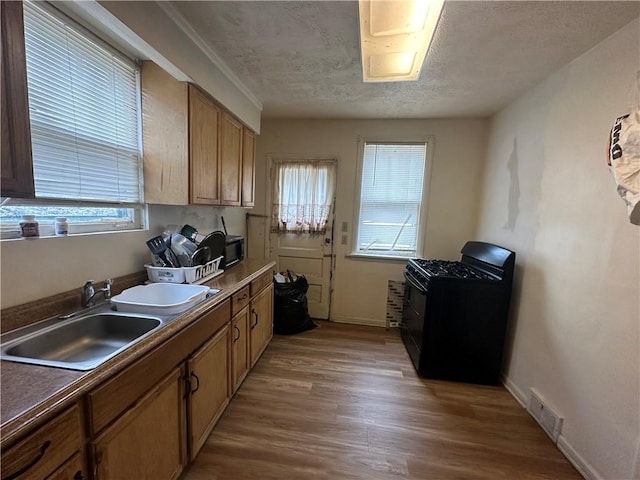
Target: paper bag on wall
624	161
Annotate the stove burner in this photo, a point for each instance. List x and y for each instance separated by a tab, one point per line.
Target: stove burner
446	268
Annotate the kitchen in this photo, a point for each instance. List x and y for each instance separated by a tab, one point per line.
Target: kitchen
576	333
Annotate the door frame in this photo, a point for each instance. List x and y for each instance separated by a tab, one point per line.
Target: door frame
273	158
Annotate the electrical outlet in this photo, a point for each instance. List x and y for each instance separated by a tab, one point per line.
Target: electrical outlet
550	421
344	239
345	226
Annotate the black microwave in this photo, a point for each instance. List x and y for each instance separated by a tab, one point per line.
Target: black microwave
233	250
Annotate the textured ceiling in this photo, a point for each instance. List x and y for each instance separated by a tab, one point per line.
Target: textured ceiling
302	59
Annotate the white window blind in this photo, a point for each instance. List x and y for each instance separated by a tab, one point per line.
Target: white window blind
83	106
391	198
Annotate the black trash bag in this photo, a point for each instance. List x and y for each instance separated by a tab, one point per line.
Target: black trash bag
291	311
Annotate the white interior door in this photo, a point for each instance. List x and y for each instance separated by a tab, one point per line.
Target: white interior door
309	254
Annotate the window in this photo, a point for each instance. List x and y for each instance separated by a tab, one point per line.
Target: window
391	208
303	194
84	112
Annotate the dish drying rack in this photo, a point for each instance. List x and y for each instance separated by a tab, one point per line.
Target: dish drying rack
195	275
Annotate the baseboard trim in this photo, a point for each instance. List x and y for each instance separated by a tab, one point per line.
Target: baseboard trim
515	391
565	447
584	468
358	321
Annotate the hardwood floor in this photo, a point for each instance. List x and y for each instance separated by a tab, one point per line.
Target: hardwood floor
344	402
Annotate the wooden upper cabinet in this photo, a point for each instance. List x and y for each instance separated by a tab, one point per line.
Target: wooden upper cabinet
204	167
180	138
248	167
230	160
195	152
16	160
165	134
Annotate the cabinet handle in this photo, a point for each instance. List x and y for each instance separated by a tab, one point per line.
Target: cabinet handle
255	314
197	383
78	475
238	337
243	297
28	466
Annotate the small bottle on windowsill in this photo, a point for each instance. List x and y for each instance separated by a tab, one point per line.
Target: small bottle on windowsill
29	227
61	227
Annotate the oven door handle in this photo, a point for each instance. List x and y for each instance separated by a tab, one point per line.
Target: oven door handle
413	281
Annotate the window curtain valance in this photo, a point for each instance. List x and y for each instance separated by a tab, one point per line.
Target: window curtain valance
303	193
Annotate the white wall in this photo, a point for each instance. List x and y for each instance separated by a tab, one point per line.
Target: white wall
34	269
360	286
549	196
157	28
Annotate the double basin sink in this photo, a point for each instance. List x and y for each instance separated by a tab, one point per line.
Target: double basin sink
81	342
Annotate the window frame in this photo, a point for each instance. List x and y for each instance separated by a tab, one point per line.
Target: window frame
9	229
424	206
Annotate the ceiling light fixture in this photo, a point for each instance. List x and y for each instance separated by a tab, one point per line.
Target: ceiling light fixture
395	36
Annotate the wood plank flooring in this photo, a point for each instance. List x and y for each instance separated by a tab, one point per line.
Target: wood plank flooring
344	402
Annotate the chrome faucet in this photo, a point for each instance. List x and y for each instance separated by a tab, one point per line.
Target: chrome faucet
89	292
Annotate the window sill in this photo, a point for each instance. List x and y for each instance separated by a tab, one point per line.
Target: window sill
377	258
17	238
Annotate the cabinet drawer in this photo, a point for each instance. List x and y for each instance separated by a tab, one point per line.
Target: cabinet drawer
261	282
71	470
239	300
42	452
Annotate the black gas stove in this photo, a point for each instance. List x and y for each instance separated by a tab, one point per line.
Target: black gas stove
455	313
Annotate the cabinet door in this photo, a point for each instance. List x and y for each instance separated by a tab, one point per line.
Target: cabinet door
148	441
209	377
15	156
230	160
165	135
239	348
261	322
204	172
248	167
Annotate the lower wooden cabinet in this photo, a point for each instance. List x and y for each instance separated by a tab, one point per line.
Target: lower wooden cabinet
261	323
43	452
151	418
239	348
72	469
148	441
208	371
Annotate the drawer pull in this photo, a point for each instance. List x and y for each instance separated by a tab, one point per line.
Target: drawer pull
197	383
254	313
238	337
27	467
243	297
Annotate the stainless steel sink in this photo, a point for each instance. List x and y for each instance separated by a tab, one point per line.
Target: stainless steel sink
82	342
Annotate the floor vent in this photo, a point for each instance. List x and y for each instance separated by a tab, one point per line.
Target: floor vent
549	420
